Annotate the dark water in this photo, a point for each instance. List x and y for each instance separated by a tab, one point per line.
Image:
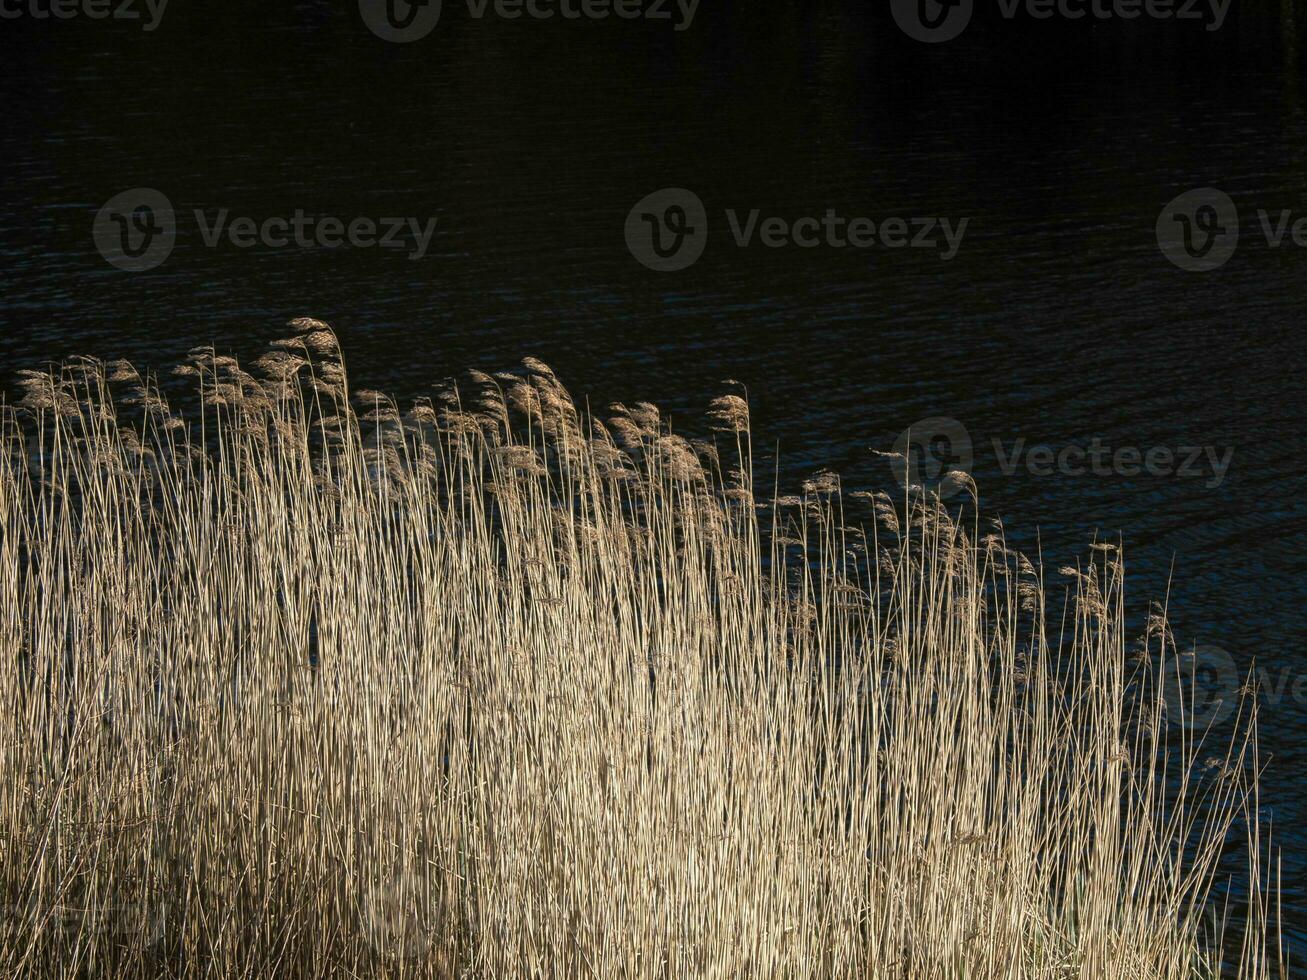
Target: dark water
1058	322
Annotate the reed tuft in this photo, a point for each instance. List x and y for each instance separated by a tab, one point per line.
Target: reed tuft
302	686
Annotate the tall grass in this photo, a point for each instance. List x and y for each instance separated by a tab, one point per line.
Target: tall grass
294	685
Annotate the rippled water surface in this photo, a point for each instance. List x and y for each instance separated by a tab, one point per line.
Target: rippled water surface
1059	322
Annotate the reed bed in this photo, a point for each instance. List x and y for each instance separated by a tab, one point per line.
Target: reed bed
297	685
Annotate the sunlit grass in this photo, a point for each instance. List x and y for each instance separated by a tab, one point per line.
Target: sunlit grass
297	685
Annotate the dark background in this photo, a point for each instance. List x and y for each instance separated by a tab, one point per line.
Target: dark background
1058	322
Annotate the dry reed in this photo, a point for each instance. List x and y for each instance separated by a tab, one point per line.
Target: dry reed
297	684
